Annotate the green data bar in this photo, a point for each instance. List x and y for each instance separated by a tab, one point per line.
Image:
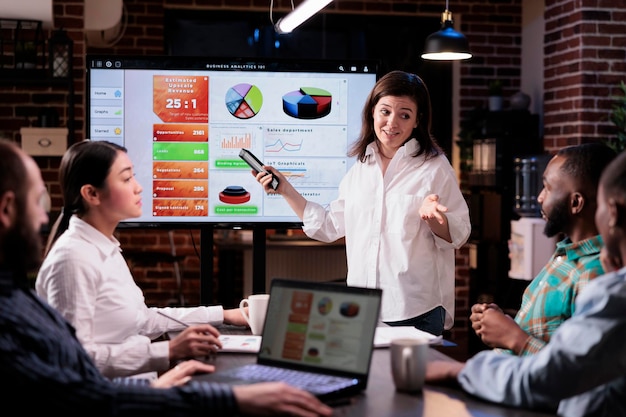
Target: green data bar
231	163
236	210
176	151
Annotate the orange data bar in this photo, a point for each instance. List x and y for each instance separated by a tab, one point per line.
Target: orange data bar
181	98
194	170
184	189
180	132
301	302
182	207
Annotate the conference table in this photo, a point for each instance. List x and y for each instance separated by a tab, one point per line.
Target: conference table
380	399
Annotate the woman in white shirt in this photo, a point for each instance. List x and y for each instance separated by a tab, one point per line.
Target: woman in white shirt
399	207
85	276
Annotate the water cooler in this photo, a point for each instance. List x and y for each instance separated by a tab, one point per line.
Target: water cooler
529	248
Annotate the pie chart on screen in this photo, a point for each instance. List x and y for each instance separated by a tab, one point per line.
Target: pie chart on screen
244	100
307	103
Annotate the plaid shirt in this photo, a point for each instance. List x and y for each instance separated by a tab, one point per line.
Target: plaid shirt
549	299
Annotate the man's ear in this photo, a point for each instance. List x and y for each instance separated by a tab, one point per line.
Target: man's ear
577	203
617	213
7	209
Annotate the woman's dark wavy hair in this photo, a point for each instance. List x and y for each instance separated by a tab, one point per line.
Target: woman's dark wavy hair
399	84
84	163
614	179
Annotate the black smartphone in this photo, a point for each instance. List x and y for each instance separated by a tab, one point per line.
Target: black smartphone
256	165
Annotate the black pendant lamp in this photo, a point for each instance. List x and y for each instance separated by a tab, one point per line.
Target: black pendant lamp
446	44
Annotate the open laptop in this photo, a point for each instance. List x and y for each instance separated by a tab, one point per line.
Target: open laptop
317	336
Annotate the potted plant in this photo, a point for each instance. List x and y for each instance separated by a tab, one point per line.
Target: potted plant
618	118
496	99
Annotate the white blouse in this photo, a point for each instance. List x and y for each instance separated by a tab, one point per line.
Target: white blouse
86	278
388	245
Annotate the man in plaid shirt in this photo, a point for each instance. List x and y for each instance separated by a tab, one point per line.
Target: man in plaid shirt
568	204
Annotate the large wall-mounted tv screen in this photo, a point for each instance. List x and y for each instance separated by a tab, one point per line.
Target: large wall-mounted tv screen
185	119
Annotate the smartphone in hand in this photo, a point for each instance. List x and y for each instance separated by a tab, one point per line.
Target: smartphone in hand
256	165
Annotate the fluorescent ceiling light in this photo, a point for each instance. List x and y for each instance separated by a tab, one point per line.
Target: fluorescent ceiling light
299	15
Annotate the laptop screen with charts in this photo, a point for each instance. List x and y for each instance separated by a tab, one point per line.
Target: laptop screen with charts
321	333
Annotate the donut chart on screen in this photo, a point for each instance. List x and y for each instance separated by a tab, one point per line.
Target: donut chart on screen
244	100
307	103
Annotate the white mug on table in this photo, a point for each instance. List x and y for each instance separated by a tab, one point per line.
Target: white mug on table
257	307
408	363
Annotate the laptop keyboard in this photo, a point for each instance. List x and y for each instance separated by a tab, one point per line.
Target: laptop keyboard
308	381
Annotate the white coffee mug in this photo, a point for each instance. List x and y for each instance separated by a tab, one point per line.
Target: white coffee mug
408	363
257	307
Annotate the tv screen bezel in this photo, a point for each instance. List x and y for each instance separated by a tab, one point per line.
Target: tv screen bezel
198	63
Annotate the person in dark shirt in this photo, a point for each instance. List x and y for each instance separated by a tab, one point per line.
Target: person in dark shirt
41	359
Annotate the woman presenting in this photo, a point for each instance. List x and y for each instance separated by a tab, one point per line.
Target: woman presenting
399	208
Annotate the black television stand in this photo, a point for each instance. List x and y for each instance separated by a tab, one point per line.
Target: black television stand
207	283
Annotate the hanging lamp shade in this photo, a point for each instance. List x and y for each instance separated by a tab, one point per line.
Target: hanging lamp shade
446	44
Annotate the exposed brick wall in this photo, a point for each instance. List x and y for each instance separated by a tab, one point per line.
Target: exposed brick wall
156	273
585	59
585	48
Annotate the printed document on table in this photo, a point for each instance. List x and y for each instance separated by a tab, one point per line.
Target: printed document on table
240	343
384	335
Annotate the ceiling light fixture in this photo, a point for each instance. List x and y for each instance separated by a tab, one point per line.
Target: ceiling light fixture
299	15
446	44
